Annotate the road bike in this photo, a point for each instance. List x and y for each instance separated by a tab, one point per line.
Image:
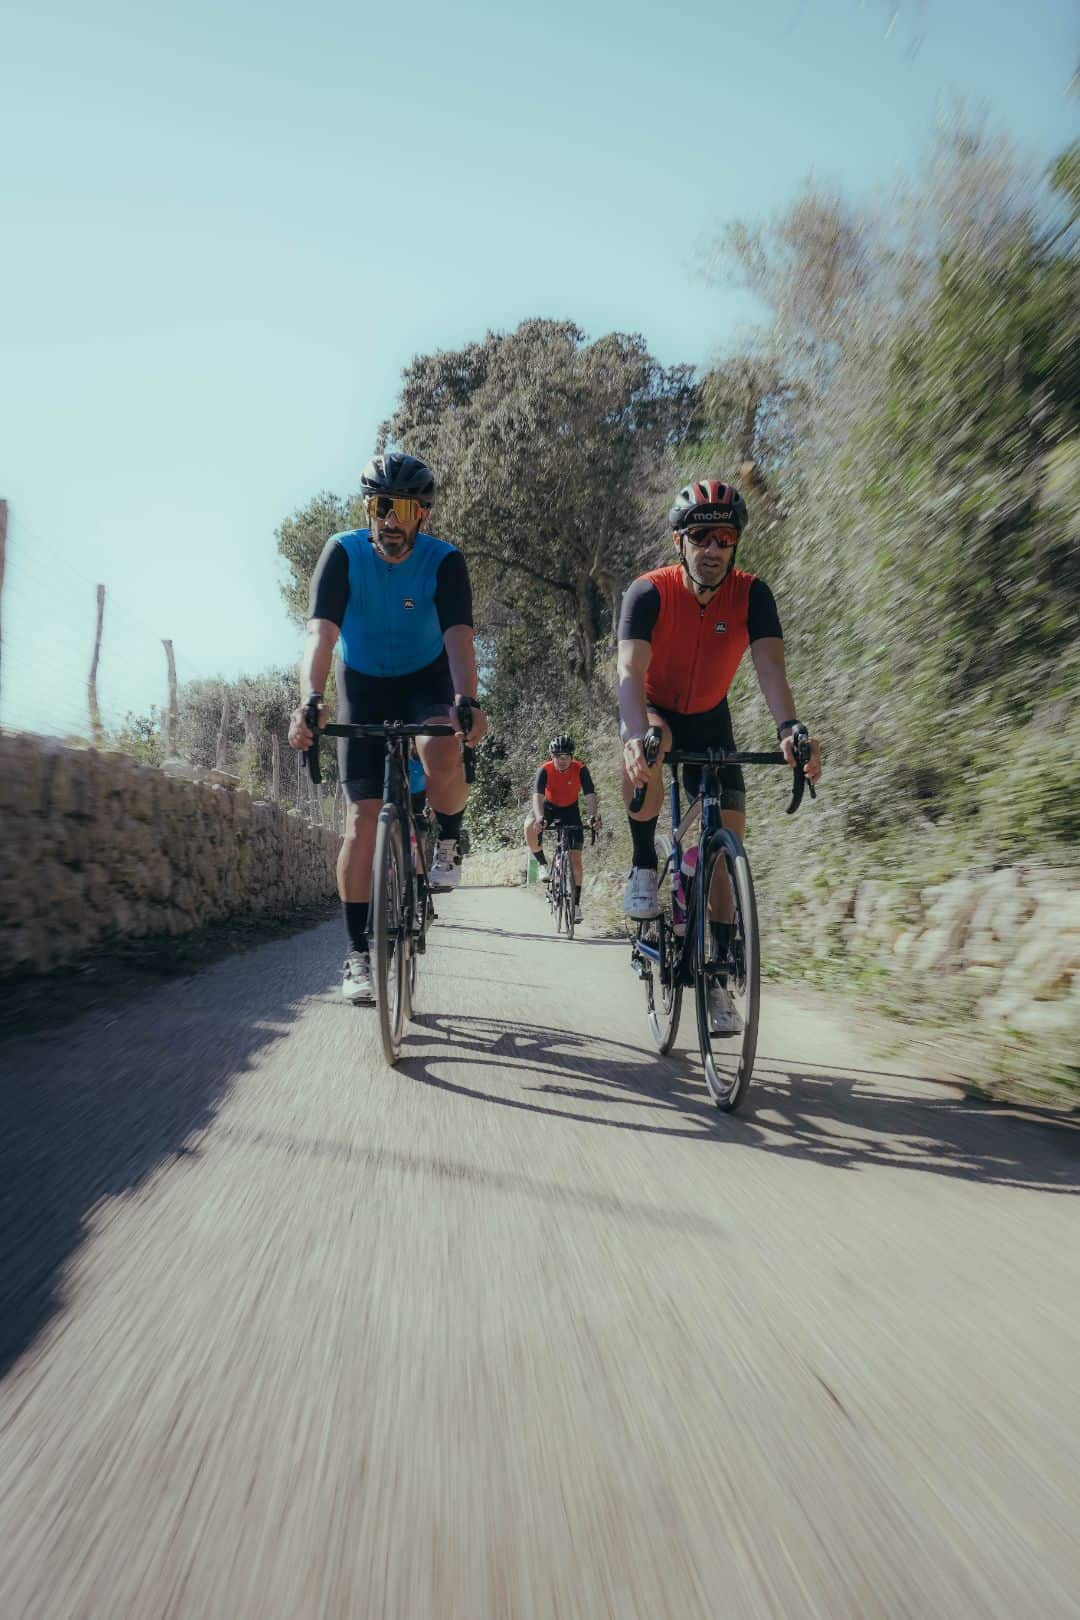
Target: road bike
560	888
676	951
402	908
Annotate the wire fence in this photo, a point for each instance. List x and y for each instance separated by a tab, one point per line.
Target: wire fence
82	662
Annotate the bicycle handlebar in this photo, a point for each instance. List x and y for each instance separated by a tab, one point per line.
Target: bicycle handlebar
387	730
722	756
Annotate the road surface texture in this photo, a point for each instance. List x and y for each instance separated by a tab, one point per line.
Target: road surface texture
524	1328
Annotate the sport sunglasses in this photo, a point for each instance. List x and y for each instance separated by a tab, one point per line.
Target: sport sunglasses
724	536
404	507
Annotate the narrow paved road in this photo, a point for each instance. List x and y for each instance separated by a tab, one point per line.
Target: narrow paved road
524	1328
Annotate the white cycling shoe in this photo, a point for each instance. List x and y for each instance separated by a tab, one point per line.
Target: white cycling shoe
445	871
723	1015
356	983
577	915
640	895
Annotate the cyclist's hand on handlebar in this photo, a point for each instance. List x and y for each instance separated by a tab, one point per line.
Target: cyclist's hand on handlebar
812	768
301	735
637	766
472	716
595	822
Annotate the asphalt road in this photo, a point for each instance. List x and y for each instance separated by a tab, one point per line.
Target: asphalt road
523	1328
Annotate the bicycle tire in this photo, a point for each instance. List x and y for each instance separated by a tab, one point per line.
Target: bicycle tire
729	1060
555	892
665	1010
391	948
568	895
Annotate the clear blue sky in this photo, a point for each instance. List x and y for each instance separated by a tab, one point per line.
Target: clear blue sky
227	227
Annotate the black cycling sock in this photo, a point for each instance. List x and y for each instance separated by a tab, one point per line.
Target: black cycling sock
541	858
643	834
721	934
450	824
577	894
356	923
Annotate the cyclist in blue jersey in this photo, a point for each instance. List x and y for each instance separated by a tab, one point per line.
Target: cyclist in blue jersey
399	604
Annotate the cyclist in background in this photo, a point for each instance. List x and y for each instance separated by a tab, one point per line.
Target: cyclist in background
559	784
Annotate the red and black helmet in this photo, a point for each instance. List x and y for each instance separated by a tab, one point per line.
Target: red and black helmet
708	500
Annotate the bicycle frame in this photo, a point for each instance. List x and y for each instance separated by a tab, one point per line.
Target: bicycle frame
670	963
397	735
705	807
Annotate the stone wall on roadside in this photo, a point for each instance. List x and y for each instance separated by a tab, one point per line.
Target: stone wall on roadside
1005	942
97	849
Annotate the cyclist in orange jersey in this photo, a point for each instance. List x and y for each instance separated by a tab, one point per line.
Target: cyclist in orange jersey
559	784
683	631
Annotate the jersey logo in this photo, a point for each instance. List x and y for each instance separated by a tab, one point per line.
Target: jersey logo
408	602
720	628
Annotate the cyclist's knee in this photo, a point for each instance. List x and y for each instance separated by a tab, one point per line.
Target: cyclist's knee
361	815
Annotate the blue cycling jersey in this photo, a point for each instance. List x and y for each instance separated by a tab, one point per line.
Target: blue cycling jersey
417	780
391	622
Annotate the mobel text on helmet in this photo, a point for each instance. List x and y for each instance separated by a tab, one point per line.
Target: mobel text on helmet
702	516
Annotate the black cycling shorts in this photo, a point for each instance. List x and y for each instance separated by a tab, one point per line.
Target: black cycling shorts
568	816
709	729
424	694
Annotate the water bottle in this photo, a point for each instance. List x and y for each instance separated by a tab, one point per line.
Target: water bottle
681	883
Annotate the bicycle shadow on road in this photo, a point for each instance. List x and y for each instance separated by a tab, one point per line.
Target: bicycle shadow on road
561	1065
844	1120
90	1112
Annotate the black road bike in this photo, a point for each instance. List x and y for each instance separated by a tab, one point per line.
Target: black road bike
674	952
560	888
402	908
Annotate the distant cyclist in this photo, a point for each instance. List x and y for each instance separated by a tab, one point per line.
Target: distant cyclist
558	786
401	603
683	631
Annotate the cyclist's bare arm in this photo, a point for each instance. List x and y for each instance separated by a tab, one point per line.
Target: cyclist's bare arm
538	806
770	664
322	637
592	806
461	651
634	659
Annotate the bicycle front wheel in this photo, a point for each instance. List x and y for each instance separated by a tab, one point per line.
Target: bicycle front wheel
555	894
729	1058
663	992
568	898
390	941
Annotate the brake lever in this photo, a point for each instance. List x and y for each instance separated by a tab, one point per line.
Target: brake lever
311	755
801	741
652	741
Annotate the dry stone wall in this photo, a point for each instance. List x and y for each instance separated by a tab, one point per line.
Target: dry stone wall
1008	941
97	849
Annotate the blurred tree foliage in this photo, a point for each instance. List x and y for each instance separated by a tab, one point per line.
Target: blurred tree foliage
906	428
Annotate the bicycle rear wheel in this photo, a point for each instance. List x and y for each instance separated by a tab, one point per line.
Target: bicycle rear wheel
391	947
729	1059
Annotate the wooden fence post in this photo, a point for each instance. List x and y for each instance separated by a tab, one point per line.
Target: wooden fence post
275	767
172	713
221	760
97	731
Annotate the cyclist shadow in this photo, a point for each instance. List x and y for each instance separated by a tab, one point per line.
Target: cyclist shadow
562	1066
847	1120
854	1119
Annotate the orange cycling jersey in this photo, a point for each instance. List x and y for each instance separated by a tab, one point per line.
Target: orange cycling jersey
562	788
696	648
